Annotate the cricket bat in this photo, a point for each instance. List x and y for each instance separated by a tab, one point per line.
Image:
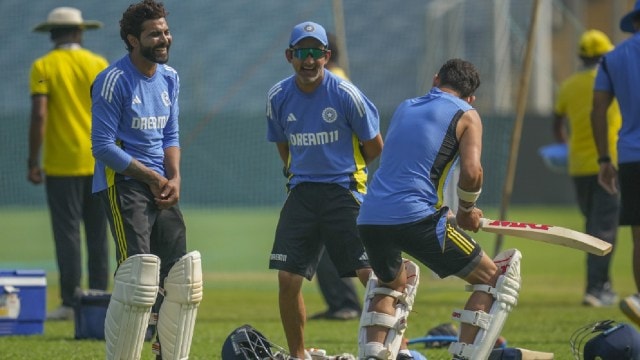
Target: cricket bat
548	233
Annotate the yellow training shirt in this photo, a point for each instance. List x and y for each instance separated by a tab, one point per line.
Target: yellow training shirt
65	75
574	101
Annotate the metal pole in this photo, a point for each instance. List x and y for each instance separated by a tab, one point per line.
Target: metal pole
521	105
341	35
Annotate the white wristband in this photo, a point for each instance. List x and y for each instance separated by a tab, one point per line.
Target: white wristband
468	196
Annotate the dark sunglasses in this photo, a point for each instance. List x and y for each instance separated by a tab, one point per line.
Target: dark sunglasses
303	53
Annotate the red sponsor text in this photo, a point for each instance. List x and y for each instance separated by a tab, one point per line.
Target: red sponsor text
511	224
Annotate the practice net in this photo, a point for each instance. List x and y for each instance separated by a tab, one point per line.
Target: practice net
229	53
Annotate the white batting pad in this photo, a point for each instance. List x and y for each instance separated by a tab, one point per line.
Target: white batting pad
505	296
134	293
177	317
396	323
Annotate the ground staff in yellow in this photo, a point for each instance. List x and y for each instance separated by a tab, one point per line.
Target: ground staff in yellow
599	208
61	121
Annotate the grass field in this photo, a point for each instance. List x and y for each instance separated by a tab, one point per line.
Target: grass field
239	288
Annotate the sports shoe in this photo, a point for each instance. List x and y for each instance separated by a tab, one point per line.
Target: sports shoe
61	313
319	315
630	306
601	298
343	314
403	356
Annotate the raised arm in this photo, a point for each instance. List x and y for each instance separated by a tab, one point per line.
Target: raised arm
469	133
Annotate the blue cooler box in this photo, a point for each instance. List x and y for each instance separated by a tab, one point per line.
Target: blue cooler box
90	313
23	298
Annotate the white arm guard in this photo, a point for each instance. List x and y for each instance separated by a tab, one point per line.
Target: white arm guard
505	296
395	323
134	293
177	316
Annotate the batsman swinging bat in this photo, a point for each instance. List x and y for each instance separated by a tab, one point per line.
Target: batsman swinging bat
548	233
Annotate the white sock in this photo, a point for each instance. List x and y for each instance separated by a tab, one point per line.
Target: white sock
405	352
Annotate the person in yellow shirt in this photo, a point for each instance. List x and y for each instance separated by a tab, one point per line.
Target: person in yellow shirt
572	125
60	128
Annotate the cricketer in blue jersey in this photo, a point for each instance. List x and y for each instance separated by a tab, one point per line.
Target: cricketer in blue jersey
134	117
403	209
326	132
619	77
321	131
137	175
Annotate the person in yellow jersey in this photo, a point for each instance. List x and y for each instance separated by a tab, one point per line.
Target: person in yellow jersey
572	125
60	129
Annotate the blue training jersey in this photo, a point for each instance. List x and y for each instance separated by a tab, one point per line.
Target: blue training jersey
323	130
133	116
419	150
619	74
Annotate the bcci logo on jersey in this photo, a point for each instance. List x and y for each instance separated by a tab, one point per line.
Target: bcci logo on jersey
165	98
329	115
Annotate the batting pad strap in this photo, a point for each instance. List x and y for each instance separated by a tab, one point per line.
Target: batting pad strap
401	297
506	290
468	196
153	318
376	350
461	350
481	287
380	319
476	318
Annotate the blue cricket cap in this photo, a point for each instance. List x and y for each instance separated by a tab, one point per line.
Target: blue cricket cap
626	24
309	29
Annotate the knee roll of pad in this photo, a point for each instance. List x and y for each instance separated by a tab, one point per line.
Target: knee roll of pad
177	316
134	293
396	323
505	295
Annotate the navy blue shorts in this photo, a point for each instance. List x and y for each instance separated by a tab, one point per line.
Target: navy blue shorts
316	215
386	243
628	174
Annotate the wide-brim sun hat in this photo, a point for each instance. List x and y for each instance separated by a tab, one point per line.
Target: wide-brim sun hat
626	23
63	17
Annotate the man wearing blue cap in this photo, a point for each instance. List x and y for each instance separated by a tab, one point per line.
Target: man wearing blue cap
326	132
619	76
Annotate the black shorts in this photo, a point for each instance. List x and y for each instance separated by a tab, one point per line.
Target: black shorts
138	226
420	239
629	175
316	215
